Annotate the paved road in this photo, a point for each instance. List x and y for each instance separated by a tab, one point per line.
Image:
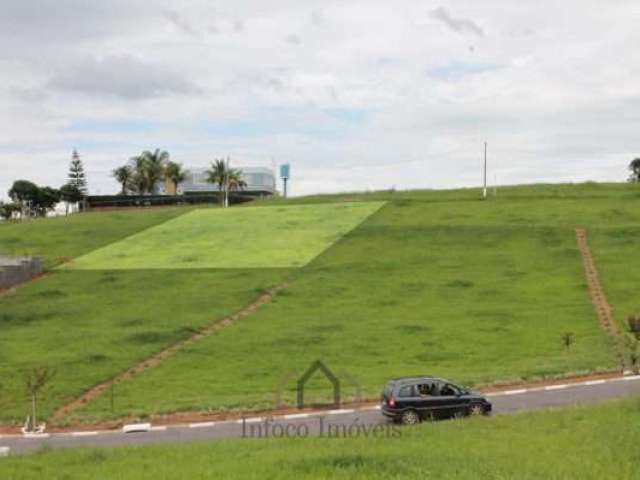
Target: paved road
322	423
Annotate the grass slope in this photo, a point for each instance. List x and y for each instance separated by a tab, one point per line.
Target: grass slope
90	325
59	239
402	294
436	281
281	237
595	442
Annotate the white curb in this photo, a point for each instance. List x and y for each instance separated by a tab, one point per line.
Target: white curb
250	420
296	415
340	411
4	451
595	382
556	387
202	425
136	428
35	435
84	434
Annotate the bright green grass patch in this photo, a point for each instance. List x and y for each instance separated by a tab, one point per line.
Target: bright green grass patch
397	296
595	442
233	238
62	238
91	325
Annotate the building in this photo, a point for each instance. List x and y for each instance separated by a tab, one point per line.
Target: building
261	182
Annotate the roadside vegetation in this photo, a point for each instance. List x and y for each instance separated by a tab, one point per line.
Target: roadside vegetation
592	442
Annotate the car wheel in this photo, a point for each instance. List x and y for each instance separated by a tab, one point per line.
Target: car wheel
410	417
476	410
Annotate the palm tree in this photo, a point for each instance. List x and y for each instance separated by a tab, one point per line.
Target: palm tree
235	180
124	176
217	174
175	174
148	168
226	178
154	163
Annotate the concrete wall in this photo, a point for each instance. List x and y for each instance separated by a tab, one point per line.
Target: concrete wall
15	270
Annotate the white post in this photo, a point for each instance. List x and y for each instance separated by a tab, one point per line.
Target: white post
226	185
484	189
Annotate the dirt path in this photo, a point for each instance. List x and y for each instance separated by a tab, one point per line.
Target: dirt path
159	357
598	297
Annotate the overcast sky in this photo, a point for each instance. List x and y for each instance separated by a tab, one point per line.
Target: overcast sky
356	95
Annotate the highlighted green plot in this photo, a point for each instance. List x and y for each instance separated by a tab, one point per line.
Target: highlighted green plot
251	237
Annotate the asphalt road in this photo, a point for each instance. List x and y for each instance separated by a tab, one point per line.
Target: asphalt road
322	423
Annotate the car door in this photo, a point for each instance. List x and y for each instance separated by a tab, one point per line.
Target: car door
449	399
425	401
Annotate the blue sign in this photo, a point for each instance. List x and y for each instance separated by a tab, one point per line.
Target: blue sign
284	171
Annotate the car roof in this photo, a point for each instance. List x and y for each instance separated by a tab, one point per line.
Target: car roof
412	379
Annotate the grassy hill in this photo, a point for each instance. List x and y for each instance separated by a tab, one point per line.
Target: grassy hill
583	442
431	282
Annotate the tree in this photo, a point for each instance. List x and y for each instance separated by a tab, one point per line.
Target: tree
76	174
634	166
33	200
69	193
35	381
23	193
148	170
7	210
175	174
226	178
124	176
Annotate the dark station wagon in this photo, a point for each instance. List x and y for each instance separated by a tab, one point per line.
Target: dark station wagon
412	399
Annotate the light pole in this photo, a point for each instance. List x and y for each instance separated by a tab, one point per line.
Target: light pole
484	189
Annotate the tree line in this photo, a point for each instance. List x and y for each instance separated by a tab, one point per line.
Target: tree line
143	174
31	200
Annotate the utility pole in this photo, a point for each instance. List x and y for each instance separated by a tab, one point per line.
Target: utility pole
226	184
484	189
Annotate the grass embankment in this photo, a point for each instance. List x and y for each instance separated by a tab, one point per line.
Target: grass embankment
434	282
596	442
282	237
473	291
60	239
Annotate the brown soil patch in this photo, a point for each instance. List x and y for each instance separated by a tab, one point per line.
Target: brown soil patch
161	356
598	297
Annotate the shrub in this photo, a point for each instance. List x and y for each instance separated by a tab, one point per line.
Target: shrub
634	324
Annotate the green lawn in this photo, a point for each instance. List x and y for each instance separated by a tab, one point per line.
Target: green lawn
434	282
282	237
401	294
60	239
91	325
616	255
596	442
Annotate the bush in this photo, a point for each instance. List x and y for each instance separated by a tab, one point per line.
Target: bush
634	324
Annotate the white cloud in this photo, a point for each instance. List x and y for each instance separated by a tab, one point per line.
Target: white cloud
355	94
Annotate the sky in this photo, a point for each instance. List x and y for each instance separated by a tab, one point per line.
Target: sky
355	95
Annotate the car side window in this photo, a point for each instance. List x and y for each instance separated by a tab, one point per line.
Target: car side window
406	391
448	390
425	389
